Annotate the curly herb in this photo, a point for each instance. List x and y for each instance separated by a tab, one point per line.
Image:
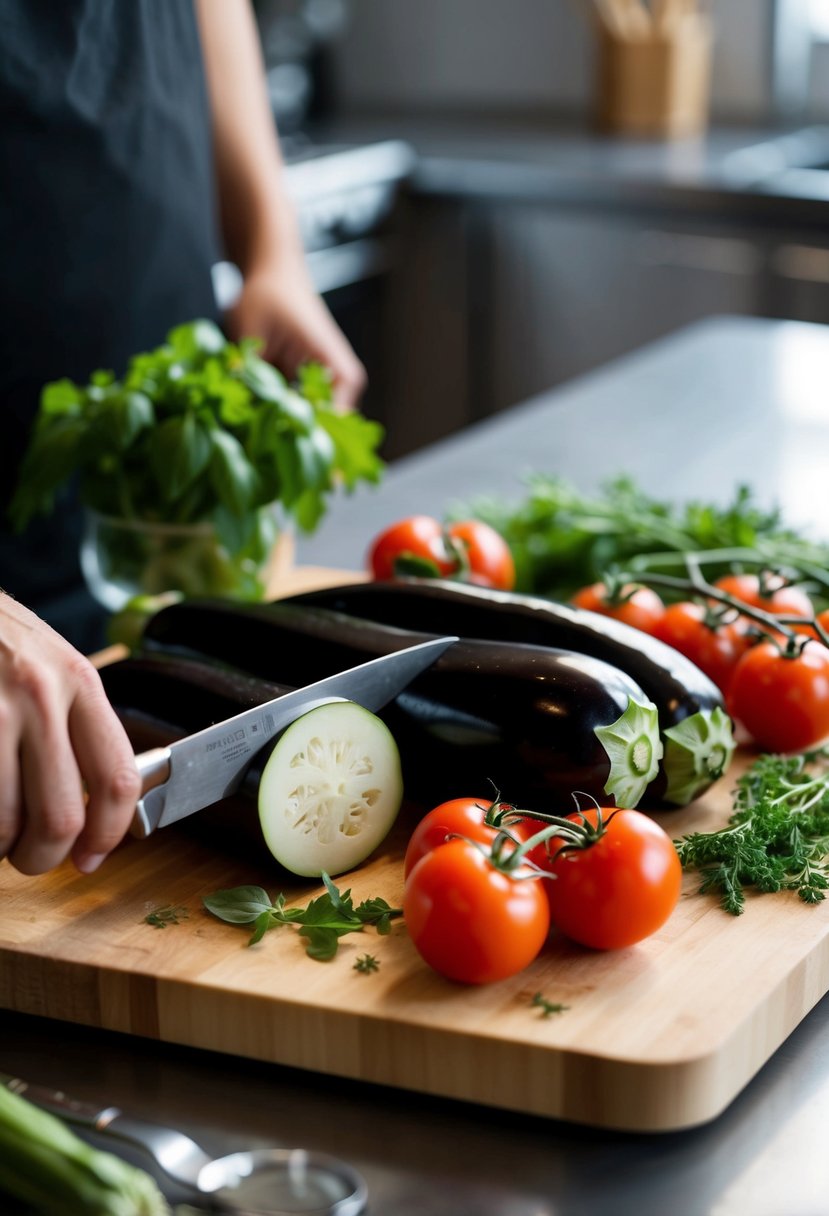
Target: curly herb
160	918
366	963
777	839
546	1007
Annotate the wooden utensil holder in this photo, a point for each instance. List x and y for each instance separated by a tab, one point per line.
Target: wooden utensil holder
658	85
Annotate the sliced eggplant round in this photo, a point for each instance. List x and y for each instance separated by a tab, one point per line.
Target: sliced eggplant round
330	790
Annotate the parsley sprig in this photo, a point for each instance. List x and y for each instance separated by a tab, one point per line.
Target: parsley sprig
777	838
562	539
323	921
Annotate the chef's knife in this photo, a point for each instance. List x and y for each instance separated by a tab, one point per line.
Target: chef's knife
203	768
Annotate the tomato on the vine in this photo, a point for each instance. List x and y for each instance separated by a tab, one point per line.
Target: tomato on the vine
715	649
770	592
470	920
458	817
488	555
419	539
615	891
822	619
469	550
639	607
782	699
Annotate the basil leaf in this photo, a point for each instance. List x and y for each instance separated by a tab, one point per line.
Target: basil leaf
238	905
196	338
233	477
61	397
179	450
322	942
263	380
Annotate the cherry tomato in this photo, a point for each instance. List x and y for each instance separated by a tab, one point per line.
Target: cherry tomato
419	537
782	701
488	554
716	651
470	921
470	550
782	600
822	619
642	608
617	891
457	817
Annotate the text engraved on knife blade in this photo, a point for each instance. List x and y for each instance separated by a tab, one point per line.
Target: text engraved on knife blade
241	742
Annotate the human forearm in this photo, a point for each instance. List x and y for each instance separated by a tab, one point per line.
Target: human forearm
279	303
258	221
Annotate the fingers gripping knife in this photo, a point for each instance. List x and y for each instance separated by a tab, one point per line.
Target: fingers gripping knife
204	768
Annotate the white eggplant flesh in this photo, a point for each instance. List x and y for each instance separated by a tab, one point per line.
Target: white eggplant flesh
330	790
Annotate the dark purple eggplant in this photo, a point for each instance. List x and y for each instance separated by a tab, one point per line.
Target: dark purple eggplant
697	733
161	698
539	723
189	693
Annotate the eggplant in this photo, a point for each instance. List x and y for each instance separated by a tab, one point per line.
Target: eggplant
161	698
539	723
188	693
696	731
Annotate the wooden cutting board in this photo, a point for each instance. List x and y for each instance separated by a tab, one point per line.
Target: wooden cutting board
660	1036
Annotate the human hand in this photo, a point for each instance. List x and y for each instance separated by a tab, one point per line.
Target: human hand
281	306
58	734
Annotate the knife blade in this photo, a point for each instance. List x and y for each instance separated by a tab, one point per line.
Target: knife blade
205	767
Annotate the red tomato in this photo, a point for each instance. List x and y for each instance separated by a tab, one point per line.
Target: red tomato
716	651
470	550
822	619
488	554
782	701
457	817
470	921
617	891
783	600
419	536
642	608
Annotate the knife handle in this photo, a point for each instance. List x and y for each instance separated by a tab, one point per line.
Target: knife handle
154	769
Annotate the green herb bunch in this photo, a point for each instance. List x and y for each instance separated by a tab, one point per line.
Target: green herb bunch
199	430
777	839
562	539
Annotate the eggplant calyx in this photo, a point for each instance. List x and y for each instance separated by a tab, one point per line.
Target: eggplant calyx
634	749
698	750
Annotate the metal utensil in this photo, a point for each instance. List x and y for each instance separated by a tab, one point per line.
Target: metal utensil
205	767
261	1182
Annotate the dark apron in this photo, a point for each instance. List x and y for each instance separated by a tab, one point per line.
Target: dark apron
107	232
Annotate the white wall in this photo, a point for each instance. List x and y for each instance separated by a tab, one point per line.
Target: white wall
518	55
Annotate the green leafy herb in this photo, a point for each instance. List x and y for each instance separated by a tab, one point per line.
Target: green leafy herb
777	838
322	922
547	1008
562	539
198	430
366	963
160	918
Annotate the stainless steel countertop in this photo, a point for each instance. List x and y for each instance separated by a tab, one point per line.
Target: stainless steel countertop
724	401
761	175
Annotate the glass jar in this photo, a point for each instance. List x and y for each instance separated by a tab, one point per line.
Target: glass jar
125	558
